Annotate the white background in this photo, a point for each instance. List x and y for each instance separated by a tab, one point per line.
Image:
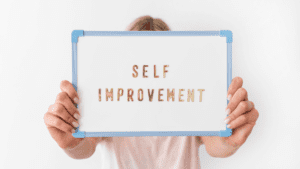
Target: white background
35	56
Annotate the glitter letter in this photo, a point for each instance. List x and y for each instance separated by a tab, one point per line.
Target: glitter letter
155	76
129	95
110	94
144	71
99	95
180	95
171	94
120	94
159	99
140	92
165	70
150	95
190	95
135	66
200	97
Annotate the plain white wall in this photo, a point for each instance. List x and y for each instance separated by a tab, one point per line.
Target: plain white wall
35	55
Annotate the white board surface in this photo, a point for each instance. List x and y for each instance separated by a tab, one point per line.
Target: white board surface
194	62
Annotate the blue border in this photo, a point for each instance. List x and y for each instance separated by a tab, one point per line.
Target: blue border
223	33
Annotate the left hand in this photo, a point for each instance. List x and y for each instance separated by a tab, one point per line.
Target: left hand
242	114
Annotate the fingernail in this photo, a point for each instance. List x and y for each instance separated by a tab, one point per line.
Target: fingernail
75	124
76	116
227	120
229	97
227	111
228	126
76	100
73	131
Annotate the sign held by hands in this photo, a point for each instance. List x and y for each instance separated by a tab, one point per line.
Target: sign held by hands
151	83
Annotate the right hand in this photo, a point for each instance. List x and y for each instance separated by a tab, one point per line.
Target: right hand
61	117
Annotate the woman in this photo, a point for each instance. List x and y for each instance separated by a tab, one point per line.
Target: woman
153	151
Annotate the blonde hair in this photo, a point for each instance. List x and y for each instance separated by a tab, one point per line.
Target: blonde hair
147	23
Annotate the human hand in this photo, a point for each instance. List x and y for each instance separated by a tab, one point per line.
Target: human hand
242	114
62	117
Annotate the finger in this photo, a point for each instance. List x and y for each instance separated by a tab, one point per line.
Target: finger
238	96
249	118
64	99
246	98
54	121
243	107
59	110
67	87
236	83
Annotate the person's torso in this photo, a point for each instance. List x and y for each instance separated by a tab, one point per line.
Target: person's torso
150	152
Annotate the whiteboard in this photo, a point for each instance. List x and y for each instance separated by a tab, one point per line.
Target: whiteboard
150	83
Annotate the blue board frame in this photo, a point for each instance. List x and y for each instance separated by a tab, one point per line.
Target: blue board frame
222	33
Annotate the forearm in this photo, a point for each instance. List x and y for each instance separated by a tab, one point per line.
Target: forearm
217	147
83	150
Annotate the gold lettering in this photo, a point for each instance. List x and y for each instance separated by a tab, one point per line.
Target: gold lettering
180	95
190	95
200	97
165	70
135	75
171	94
120	94
159	94
129	94
140	94
150	95
155	76
144	71
99	95
110	94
